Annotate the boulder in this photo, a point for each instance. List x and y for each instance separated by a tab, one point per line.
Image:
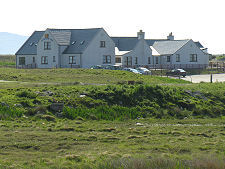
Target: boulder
57	107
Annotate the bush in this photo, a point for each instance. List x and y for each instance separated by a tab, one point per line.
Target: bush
8	113
27	94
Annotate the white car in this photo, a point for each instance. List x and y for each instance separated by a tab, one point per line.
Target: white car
143	71
132	70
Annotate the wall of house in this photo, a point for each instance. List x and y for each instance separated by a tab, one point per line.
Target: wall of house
93	55
28	61
60	56
49	53
65	61
142	51
185	52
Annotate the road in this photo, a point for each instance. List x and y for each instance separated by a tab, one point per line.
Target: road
205	78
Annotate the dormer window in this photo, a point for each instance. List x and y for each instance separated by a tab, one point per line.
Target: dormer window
47	45
46	36
102	44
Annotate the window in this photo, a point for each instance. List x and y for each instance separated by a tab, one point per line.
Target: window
21	60
44	60
149	60
136	60
177	57
128	61
72	60
47	45
156	60
193	58
46	36
82	42
102	44
168	58
33	59
118	59
106	59
53	58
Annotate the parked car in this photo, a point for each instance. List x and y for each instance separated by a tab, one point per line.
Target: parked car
113	67
131	70
143	71
176	72
97	67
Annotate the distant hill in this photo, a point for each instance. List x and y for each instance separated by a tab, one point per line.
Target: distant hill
10	43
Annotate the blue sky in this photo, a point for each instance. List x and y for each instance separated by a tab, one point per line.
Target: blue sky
200	20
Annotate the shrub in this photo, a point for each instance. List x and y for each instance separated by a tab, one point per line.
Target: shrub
7	112
27	94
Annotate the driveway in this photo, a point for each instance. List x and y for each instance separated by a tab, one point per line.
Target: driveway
205	78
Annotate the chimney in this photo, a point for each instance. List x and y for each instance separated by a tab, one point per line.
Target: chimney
141	35
170	37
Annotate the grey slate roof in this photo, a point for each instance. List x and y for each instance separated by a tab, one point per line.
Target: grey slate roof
199	44
62	37
80	37
168	47
150	42
125	43
29	47
128	43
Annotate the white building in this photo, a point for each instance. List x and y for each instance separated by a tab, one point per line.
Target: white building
83	48
66	48
159	53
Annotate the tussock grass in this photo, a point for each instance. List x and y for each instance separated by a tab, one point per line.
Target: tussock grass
37	143
208	162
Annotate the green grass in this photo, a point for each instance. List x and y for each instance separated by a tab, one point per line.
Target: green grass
117	102
34	143
7	60
156	123
86	76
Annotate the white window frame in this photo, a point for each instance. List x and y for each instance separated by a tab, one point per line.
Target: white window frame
168	58
118	60
44	60
102	44
53	59
47	45
106	59
72	60
22	60
193	58
136	60
177	57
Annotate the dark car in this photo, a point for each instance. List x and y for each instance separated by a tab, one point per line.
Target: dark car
176	72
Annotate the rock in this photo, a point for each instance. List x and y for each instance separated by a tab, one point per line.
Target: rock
48	117
18	105
4	104
57	107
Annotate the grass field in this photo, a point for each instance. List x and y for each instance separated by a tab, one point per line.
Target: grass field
41	77
156	123
7	60
34	143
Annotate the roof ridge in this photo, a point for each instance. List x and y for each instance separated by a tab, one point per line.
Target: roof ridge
122	37
73	29
182	45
